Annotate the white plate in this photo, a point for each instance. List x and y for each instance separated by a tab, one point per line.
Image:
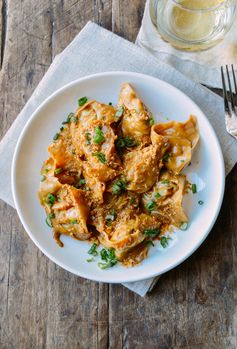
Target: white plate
164	100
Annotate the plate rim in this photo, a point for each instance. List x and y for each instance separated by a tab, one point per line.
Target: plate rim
14	185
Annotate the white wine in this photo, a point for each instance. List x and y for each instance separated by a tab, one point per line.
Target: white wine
193	24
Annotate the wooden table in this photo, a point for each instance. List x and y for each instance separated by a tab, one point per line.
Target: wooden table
43	306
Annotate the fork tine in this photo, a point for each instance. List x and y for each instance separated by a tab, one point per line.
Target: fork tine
233	73
225	96
230	90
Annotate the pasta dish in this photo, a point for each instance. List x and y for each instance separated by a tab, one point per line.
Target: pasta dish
114	177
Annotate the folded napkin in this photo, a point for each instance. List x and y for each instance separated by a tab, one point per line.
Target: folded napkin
96	50
204	66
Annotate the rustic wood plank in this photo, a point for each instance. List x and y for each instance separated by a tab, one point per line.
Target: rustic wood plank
127	16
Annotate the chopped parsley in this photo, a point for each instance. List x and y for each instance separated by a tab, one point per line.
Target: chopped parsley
48	219
109	258
81	182
88	138
42	178
151	233
200	202
110	217
50	200
82	101
100	156
194	188
183	226
132	200
58	170
61	128
119	187
110	103
151	121
119	112
157	195
93	250
98	136
67	121
55	137
164	241
74	221
150	205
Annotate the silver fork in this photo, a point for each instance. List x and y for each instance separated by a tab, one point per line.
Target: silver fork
230	108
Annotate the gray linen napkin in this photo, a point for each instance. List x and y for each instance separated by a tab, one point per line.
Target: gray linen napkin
96	50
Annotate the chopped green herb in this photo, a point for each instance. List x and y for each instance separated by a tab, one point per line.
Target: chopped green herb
100	156
157	195
194	188
82	181
88	138
184	226
74	119
58	170
89	260
61	128
110	103
119	112
48	219
166	157
55	137
164	241
150	243
124	142
119	187
42	178
150	205
181	160
151	233
109	258
67	121
165	181
92	250
74	221
132	200
50	199
82	101
201	202
98	136
110	217
151	121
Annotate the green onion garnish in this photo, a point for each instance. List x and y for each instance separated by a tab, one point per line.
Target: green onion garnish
109	258
201	202
150	243
67	121
74	119
166	157
92	250
98	136
110	217
74	221
119	187
151	233
89	260
48	219
165	181
55	137
88	138
110	103
82	101
100	156
50	200
61	128
194	188
157	195
164	241
151	121
58	170
150	205
183	226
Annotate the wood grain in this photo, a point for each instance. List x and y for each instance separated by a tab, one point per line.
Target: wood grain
43	306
